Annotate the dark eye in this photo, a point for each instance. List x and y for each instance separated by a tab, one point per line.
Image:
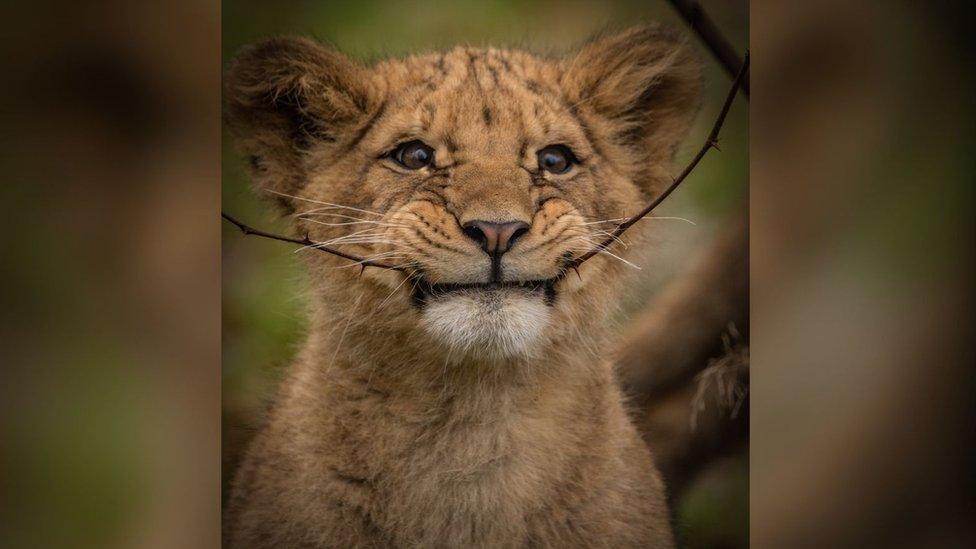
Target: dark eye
555	159
413	155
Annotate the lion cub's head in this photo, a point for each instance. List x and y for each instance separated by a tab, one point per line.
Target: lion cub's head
482	170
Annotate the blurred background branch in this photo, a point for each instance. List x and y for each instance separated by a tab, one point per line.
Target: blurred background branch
697	18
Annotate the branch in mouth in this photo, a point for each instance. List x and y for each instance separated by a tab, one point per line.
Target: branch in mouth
711	142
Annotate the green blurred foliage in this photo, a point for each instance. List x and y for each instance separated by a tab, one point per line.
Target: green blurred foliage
715	511
263	313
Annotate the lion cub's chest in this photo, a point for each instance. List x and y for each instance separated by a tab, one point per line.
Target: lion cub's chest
459	479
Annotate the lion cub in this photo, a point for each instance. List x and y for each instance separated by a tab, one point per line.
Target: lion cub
466	400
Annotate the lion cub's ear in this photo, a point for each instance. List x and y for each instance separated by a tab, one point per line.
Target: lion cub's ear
286	95
642	88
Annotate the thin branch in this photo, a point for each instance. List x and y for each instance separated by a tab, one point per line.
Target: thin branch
710	142
721	48
248	230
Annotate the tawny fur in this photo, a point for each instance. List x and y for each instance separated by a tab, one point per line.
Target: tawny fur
481	420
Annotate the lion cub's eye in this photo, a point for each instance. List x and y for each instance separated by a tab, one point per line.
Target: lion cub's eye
556	159
413	155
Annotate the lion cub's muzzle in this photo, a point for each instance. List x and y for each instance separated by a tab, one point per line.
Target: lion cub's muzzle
495	239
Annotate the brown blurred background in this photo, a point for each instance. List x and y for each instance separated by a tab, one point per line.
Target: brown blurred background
861	399
110	322
862	267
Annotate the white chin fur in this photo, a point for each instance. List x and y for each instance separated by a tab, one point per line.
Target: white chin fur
489	324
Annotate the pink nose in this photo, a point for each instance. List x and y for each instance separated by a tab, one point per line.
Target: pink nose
495	238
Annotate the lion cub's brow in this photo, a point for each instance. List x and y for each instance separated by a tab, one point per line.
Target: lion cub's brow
493	101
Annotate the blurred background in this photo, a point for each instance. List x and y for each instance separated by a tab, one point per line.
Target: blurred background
110	275
862	267
263	281
861	407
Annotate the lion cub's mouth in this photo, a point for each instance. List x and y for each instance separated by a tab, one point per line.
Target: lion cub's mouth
424	291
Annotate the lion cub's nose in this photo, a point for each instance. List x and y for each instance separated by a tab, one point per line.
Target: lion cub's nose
495	238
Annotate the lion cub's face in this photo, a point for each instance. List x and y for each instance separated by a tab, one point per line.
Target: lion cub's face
481	170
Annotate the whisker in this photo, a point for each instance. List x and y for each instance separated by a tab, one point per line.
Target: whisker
603	250
359	232
332	206
365	240
671	217
602	221
321	202
390	254
314	213
345	223
342	337
358	263
353	242
592	232
382	303
648	218
363	236
335	240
